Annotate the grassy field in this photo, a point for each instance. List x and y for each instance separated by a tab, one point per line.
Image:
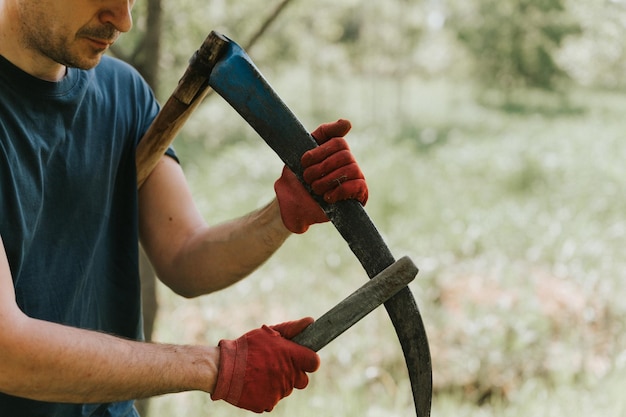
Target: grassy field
517	220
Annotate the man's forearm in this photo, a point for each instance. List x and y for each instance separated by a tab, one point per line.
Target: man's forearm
50	362
221	255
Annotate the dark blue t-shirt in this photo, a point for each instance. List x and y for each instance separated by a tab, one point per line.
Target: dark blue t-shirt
68	204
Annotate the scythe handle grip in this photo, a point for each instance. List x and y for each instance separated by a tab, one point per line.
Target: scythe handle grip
357	305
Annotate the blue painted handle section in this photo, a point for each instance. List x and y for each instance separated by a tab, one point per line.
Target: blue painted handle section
236	78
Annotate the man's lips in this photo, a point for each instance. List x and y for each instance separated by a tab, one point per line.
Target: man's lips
101	43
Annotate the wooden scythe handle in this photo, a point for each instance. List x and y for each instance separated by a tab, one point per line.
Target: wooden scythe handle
360	303
188	94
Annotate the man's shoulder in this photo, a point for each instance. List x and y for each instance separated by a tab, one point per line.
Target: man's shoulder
113	74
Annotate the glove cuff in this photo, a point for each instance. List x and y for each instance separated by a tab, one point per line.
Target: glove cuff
231	371
292	219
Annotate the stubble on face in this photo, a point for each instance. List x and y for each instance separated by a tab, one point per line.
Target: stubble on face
42	35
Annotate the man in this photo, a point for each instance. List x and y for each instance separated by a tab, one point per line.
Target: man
71	218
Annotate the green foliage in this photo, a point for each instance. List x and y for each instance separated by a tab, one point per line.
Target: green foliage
510	220
514	43
516	219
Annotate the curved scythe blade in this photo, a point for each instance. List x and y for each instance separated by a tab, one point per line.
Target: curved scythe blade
240	83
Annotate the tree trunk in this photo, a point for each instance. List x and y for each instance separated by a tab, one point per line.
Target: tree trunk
150	51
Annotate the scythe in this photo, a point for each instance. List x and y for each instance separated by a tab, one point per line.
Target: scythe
221	64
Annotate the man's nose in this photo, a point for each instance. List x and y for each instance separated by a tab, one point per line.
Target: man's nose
118	14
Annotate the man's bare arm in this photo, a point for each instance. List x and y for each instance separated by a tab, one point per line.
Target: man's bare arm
191	257
51	362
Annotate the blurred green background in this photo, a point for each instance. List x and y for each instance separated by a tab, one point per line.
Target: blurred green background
492	136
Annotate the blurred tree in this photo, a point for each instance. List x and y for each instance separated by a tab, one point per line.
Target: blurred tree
513	43
598	58
353	36
144	51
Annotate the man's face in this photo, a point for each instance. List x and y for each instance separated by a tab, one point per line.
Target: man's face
74	33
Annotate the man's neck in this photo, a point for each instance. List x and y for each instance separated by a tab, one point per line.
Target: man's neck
26	59
54	72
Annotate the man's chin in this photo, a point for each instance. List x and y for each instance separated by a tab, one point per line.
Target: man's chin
86	63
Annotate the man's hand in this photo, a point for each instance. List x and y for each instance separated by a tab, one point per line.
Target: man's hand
331	171
263	366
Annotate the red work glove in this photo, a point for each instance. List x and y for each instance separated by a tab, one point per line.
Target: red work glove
264	366
331	171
